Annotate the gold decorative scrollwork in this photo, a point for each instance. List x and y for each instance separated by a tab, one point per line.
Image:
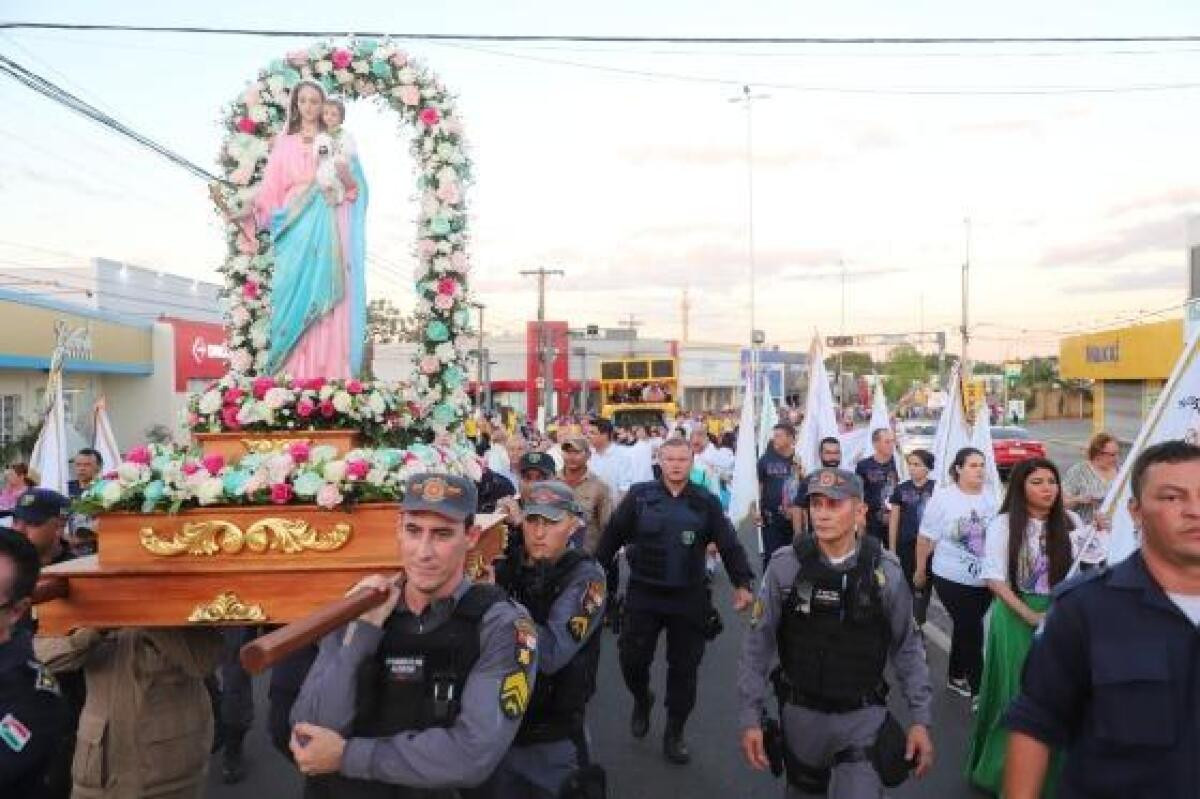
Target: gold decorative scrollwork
270	446
212	536
226	607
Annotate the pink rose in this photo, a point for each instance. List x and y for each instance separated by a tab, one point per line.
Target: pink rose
341	59
298	58
251	290
190	468
328	496
452	125
229	417
447	192
357	469
241	176
458	261
233	396
281	493
354	386
410	95
327	409
139	455
426	248
366	89
299	451
262	385
213	463
430	364
193	419
251	96
443	302
429	116
399	59
305	408
246	125
315	383
109	476
447	286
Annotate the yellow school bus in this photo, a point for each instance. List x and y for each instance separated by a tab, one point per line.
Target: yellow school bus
639	391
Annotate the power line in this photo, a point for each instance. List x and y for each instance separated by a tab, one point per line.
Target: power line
576	38
61	96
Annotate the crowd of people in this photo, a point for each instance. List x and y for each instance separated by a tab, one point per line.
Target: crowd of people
450	684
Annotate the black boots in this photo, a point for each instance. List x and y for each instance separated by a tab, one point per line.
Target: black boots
674	747
639	722
233	764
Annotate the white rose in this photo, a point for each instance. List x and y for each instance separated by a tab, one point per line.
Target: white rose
129	473
258	336
322	67
275	84
210	402
376	476
279	467
326	392
406	75
239	315
277	397
259	113
110	494
342	402
260	359
240	360
210	490
376	403
334	471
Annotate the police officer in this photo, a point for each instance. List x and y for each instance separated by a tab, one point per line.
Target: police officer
665	526
563	587
1112	679
835	610
33	715
422	695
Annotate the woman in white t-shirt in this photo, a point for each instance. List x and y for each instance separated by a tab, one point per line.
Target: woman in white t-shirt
953	528
1029	549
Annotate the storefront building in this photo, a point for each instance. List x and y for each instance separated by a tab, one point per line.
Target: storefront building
1128	366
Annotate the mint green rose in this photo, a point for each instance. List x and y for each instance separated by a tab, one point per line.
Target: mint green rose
437	331
439	225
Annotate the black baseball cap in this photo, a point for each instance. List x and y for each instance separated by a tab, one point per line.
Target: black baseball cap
537	461
39	505
444	494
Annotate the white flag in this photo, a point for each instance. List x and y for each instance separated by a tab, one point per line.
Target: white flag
820	417
952	433
981	439
49	456
744	486
104	440
767	418
1176	415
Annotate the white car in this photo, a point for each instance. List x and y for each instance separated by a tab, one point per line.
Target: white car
917	434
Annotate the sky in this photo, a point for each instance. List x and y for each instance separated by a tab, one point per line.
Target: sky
626	166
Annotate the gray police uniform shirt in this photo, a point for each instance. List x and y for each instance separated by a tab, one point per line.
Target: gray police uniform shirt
760	650
581	604
461	755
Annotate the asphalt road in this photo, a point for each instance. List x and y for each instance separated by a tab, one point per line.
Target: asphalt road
637	769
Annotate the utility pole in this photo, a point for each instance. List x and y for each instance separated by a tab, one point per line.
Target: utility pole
685	310
748	98
630	323
965	369
483	356
841	332
545	350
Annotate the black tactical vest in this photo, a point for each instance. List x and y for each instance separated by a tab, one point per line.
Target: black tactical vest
667	547
414	682
559	700
834	635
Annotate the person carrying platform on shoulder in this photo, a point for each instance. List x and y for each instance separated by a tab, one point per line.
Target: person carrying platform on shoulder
421	696
564	590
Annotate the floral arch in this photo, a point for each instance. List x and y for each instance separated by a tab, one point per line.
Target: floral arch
383	73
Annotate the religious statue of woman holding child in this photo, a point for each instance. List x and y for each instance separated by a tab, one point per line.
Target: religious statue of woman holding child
312	200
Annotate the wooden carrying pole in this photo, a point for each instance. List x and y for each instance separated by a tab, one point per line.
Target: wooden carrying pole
264	652
49	588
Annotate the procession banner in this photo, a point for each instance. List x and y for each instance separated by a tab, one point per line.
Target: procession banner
49	456
104	440
820	417
1176	415
981	439
952	433
744	487
768	418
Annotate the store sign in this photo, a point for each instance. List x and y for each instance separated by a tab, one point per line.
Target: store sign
200	351
1103	353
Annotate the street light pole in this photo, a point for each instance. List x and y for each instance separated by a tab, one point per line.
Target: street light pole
545	348
747	98
479	392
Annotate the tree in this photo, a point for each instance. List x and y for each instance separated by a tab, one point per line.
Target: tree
904	367
386	324
858	363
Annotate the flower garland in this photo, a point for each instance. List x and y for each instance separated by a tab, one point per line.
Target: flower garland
156	478
382	413
358	69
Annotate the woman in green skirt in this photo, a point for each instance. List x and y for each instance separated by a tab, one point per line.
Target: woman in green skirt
1027	551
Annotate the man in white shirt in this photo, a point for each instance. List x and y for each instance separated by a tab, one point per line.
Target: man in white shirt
608	461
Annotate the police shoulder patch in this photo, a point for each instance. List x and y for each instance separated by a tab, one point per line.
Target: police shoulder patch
514	694
526	641
577	626
593	598
756	611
